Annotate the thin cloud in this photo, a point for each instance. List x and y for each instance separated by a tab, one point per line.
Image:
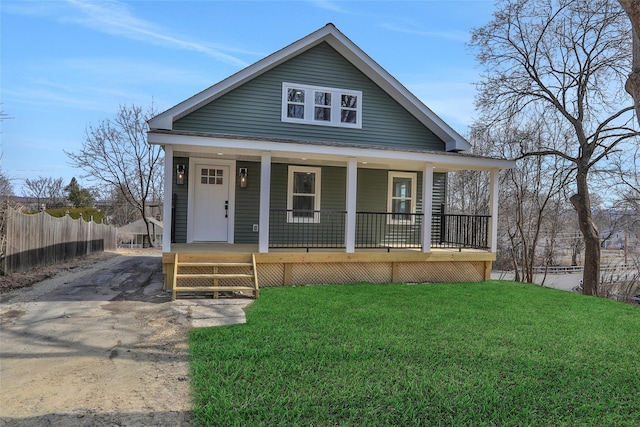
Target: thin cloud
329	5
448	35
125	70
113	17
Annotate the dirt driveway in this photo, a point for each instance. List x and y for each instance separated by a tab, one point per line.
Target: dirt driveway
103	346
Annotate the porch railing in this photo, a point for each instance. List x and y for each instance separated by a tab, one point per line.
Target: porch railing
306	229
460	231
388	230
375	230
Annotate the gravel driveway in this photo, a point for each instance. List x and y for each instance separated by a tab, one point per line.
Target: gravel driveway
103	346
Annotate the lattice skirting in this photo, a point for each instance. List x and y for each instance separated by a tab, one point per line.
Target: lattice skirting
326	273
438	272
270	275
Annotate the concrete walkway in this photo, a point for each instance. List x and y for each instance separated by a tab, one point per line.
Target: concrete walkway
204	313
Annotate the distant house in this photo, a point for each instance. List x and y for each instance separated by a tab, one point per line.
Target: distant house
34	204
133	234
326	168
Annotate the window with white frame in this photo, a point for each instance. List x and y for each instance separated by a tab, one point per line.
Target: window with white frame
303	194
321	105
401	198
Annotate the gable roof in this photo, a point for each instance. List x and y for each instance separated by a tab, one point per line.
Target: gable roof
338	41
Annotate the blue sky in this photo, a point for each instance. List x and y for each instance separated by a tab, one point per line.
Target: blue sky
69	64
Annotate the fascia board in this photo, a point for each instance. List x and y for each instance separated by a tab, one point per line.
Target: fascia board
448	160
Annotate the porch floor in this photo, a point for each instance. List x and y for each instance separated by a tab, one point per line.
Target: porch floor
282	267
253	248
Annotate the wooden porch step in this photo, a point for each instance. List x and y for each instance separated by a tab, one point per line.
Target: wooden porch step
216	276
215	289
212	275
216	264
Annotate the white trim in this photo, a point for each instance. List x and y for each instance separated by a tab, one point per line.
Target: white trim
265	196
414	179
316	195
309	105
493	210
427	206
168	198
351	193
191	194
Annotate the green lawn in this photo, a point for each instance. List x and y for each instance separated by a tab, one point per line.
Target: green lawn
495	353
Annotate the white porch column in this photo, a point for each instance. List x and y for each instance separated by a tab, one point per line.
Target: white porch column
350	224
265	196
427	206
168	198
493	211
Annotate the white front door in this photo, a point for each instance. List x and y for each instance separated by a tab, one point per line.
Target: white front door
211	203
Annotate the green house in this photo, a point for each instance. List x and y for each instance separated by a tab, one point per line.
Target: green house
315	147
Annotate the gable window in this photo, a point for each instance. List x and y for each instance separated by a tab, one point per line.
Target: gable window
303	194
321	106
401	198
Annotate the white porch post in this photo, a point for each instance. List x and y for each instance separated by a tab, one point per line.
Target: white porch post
350	225
265	196
168	198
427	206
493	211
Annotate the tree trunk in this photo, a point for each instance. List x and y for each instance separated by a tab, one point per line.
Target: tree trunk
632	8
146	223
582	203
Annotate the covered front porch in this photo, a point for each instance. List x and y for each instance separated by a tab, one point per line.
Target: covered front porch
369	198
313	213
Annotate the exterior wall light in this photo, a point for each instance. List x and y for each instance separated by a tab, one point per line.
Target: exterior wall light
180	174
243	177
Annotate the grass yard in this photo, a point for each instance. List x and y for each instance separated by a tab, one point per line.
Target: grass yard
464	354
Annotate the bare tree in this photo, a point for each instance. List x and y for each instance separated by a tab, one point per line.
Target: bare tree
116	152
47	191
118	210
566	61
6	186
632	8
531	194
627	167
468	190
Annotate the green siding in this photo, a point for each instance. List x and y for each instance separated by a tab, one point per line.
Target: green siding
372	197
181	193
254	109
373	185
247	204
332	198
333	181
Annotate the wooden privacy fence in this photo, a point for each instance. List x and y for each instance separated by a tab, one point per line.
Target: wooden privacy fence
40	239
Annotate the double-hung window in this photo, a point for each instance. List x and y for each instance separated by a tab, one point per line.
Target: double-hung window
303	194
321	105
401	199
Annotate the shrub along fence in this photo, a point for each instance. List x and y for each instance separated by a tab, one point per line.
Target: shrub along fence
38	240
